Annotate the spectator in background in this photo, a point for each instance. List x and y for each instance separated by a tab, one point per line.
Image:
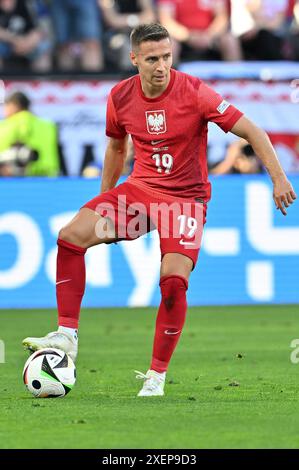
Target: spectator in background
296	12
261	26
294	35
77	27
199	28
28	144
22	41
240	158
120	17
95	169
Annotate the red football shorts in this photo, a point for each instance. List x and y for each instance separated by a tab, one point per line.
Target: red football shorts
135	212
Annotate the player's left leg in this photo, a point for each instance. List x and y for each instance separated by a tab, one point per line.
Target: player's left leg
180	246
175	272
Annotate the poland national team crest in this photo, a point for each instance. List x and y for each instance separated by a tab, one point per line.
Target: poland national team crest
156	121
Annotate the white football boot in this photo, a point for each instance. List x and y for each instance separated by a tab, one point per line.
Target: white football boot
153	383
57	340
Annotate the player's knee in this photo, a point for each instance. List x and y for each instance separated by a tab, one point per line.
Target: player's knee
173	288
68	234
65	234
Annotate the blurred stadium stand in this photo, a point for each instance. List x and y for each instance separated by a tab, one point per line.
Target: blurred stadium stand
65	89
60	36
266	92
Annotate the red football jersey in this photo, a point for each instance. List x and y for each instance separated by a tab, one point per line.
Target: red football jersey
169	132
194	14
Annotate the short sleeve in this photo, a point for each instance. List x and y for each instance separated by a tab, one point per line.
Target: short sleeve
216	109
169	3
113	127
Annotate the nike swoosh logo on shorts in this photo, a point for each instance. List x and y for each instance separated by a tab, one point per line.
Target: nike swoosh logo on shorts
60	282
172	332
186	243
155	142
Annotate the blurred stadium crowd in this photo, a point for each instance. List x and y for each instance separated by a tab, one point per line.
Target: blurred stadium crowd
42	38
93	35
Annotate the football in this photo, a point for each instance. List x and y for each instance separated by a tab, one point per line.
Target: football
49	373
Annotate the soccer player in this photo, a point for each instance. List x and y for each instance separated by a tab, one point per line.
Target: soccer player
166	112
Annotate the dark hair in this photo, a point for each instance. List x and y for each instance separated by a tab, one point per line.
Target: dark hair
20	99
148	32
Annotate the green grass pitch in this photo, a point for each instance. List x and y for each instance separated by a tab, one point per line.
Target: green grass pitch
248	347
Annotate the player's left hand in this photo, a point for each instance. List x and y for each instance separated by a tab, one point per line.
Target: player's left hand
283	194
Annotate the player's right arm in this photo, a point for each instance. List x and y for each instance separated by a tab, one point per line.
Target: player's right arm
116	150
115	155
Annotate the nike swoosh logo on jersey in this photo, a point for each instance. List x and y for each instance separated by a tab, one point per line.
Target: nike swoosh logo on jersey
172	332
186	243
155	142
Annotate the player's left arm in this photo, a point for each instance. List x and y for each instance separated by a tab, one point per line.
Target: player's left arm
283	192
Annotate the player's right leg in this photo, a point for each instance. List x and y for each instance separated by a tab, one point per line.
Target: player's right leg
73	241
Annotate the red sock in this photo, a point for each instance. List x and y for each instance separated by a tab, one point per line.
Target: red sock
70	282
170	320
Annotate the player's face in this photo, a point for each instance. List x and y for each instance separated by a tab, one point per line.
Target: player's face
153	60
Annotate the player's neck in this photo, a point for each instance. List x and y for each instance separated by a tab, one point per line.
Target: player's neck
153	91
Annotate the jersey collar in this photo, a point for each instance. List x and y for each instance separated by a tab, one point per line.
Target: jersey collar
164	94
